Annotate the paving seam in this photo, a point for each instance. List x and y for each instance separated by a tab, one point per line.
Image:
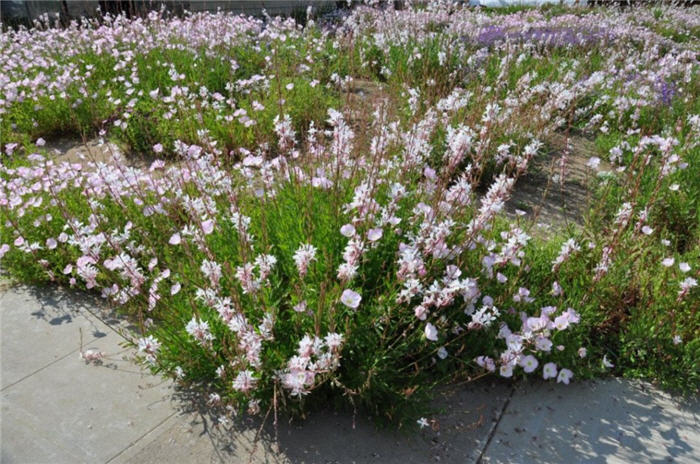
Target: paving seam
77	350
492	432
135	442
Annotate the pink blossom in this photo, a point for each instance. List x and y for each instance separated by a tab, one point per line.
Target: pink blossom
303	256
431	332
208	226
564	376
300	307
350	298
549	371
348	230
244	381
374	234
529	363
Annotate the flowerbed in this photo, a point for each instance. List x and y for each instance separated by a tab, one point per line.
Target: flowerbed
280	255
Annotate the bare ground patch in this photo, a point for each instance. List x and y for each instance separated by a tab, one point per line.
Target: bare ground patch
556	190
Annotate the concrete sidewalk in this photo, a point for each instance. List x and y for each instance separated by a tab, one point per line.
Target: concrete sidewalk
57	409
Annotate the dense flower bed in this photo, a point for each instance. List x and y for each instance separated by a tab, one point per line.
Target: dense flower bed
272	249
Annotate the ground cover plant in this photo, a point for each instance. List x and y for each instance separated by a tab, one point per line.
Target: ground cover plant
280	251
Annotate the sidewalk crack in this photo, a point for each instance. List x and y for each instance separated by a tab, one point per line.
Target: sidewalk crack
492	432
135	442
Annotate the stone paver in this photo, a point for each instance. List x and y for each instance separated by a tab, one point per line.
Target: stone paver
56	409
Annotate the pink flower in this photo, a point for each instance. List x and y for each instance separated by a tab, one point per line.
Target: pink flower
549	371
374	234
668	262
175	239
582	352
303	256
244	381
200	331
684	267
564	376
431	332
350	298
506	370
4	248
529	363
300	307
175	289
208	226
556	289
348	230
486	362
158	148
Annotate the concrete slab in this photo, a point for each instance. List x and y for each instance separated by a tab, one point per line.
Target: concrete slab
611	421
55	407
41	326
469	415
92	412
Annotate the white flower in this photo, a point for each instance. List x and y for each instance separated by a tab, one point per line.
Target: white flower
684	267
607	364
423	422
668	262
431	332
175	239
350	298
677	340
442	352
